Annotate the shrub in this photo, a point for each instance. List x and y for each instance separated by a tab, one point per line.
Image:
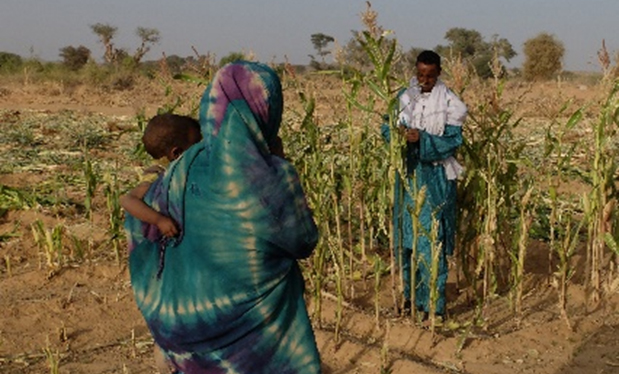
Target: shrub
231	57
9	62
123	81
95	74
74	58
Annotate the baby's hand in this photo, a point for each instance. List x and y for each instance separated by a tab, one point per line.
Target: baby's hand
154	169
277	148
167	226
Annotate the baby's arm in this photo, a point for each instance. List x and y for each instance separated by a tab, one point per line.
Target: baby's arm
132	202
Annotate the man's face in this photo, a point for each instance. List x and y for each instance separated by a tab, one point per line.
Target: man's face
427	76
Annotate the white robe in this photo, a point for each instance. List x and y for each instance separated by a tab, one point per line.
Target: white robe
430	112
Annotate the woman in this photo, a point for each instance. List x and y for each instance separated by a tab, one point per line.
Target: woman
226	296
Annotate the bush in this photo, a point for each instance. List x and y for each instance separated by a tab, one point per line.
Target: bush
110	77
96	75
234	56
74	58
175	64
123	81
9	62
7	58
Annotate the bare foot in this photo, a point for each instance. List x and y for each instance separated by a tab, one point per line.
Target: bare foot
427	324
161	361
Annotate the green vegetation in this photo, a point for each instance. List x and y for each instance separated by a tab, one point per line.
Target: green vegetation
9	62
231	57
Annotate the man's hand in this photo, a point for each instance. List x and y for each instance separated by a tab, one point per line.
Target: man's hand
411	135
167	226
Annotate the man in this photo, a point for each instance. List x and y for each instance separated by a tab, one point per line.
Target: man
431	118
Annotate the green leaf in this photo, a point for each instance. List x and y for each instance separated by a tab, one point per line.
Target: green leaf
574	119
387	63
611	243
377	90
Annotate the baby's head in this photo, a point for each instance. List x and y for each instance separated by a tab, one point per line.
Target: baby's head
169	135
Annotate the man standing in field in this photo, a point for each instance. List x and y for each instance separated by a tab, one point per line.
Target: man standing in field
430	118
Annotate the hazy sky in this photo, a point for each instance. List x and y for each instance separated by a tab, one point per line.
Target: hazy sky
273	29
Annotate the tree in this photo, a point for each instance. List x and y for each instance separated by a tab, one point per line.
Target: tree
468	43
354	55
148	37
320	41
106	33
410	57
543	57
175	63
474	50
74	58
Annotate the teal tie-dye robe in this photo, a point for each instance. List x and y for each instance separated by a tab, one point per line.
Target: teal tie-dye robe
226	296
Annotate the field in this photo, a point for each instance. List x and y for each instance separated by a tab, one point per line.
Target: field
65	295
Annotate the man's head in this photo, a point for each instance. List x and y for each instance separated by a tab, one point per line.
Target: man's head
428	69
169	135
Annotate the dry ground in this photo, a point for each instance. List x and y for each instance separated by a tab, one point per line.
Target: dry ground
83	316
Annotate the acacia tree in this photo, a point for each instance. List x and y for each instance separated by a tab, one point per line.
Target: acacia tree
472	48
148	37
543	57
106	33
320	41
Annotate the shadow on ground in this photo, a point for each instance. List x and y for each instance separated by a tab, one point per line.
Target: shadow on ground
598	354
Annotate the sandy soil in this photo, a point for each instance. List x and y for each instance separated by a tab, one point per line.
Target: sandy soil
83	317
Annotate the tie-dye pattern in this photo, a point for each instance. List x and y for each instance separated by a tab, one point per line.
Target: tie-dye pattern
230	296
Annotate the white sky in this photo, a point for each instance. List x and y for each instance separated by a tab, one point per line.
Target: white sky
277	28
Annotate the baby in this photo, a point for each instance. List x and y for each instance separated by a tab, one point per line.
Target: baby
166	135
